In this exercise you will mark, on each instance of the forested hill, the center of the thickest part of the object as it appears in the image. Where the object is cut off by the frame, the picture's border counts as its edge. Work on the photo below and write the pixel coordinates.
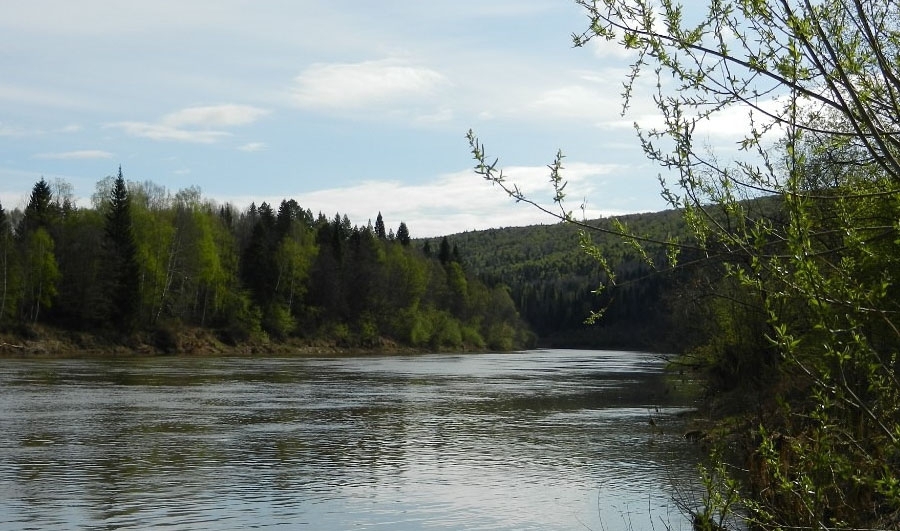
(552, 280)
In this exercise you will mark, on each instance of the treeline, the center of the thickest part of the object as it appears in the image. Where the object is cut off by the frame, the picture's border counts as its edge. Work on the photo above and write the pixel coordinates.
(554, 282)
(144, 260)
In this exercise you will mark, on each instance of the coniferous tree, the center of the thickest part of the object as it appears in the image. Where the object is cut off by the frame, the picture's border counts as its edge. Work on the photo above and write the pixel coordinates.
(379, 227)
(39, 211)
(124, 273)
(403, 234)
(444, 252)
(258, 269)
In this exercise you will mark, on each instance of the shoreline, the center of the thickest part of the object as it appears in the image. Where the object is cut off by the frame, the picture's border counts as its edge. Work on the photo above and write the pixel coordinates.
(47, 343)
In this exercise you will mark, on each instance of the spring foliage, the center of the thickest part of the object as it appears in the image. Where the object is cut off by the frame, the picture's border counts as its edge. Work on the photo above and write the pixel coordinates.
(145, 260)
(804, 283)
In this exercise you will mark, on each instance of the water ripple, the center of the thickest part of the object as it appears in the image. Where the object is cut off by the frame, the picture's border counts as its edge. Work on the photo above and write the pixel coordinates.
(536, 440)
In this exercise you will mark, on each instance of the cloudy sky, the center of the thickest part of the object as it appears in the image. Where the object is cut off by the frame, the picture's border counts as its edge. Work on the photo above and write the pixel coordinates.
(350, 107)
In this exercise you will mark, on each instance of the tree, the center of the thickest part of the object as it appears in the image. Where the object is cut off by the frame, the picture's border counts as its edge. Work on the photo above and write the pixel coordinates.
(82, 254)
(8, 270)
(258, 270)
(40, 211)
(41, 273)
(403, 234)
(820, 87)
(123, 270)
(293, 259)
(444, 253)
(4, 263)
(379, 227)
(157, 246)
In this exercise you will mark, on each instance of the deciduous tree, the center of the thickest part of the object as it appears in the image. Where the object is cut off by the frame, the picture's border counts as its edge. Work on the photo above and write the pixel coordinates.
(818, 84)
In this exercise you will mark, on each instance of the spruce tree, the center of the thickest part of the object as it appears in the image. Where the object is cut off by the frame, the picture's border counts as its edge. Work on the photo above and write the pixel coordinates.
(124, 272)
(444, 252)
(403, 234)
(39, 211)
(379, 227)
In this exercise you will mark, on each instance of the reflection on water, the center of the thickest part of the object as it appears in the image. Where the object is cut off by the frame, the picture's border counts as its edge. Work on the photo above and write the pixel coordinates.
(551, 439)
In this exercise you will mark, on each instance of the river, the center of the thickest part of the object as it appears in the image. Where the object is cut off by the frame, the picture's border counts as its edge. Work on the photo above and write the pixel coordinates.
(543, 440)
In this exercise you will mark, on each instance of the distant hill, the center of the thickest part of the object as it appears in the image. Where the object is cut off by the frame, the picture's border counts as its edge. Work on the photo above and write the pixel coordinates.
(552, 280)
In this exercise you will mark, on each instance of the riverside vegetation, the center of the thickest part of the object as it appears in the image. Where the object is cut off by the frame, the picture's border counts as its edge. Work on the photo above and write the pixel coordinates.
(168, 273)
(178, 273)
(794, 240)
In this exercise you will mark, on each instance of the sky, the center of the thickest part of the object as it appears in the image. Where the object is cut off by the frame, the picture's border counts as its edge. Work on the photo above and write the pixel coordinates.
(347, 107)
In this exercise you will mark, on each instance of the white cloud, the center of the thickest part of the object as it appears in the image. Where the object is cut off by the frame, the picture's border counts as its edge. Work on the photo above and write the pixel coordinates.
(614, 49)
(252, 147)
(83, 154)
(587, 97)
(199, 125)
(725, 128)
(574, 101)
(165, 132)
(214, 116)
(360, 85)
(453, 202)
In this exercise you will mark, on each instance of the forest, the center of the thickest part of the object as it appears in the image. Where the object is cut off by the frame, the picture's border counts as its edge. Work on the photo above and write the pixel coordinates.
(143, 264)
(554, 282)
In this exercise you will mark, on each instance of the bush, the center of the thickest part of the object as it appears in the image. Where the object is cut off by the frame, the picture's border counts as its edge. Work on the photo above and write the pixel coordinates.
(241, 319)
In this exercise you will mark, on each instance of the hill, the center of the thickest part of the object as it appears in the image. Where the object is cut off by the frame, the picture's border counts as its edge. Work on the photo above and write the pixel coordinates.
(553, 280)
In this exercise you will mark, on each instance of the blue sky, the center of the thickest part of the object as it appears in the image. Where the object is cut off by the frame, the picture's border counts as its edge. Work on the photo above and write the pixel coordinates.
(350, 107)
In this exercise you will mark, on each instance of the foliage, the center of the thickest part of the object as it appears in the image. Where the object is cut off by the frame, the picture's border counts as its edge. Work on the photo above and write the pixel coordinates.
(168, 262)
(815, 276)
(40, 273)
(9, 272)
(553, 282)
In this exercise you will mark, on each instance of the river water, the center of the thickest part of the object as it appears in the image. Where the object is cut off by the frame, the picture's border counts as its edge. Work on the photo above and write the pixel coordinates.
(547, 439)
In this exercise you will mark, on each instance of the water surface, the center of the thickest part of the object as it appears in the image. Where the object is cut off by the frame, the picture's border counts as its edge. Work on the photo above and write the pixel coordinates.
(550, 439)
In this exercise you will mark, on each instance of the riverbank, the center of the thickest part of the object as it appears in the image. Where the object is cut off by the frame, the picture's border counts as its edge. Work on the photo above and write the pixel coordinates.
(45, 342)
